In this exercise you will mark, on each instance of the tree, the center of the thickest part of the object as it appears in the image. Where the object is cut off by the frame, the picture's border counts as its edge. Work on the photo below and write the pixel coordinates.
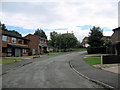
(3, 27)
(107, 43)
(95, 36)
(53, 38)
(40, 33)
(78, 44)
(63, 41)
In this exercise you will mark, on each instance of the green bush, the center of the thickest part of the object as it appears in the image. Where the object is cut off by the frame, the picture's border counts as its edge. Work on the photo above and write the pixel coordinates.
(96, 50)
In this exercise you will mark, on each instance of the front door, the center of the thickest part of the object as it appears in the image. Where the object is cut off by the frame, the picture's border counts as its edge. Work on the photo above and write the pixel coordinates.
(18, 52)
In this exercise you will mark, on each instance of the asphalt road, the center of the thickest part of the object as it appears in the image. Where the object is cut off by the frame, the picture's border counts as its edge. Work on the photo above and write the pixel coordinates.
(53, 72)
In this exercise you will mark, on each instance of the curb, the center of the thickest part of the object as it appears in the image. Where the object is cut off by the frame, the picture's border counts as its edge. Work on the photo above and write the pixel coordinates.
(93, 80)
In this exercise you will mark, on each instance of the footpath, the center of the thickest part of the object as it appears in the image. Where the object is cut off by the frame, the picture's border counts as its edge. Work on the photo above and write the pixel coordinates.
(103, 77)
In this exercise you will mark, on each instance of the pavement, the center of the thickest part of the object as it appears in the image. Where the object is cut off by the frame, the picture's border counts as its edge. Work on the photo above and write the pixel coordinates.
(108, 79)
(109, 67)
(46, 72)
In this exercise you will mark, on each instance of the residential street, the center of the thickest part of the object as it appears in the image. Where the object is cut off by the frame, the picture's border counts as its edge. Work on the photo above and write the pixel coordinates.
(52, 72)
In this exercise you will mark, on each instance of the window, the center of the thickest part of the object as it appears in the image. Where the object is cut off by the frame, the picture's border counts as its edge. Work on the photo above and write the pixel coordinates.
(4, 49)
(33, 51)
(9, 52)
(13, 40)
(20, 41)
(45, 41)
(42, 41)
(24, 51)
(6, 38)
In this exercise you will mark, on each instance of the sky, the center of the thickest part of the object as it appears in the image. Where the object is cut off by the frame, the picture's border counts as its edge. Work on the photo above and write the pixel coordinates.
(77, 16)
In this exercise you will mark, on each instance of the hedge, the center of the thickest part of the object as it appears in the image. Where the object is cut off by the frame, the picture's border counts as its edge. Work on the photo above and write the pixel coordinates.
(96, 50)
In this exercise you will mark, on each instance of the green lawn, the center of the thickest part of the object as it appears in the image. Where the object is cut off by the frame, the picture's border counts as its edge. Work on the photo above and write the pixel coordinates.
(78, 49)
(93, 60)
(7, 60)
(51, 53)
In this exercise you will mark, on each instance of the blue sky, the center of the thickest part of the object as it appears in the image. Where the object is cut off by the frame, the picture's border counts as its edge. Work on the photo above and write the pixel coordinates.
(76, 16)
(24, 31)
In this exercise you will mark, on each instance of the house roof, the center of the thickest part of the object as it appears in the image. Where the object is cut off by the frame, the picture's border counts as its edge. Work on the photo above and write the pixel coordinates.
(116, 29)
(40, 37)
(12, 34)
(36, 36)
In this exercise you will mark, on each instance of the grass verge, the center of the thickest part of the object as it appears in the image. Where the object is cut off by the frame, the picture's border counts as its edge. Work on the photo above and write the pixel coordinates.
(93, 60)
(78, 49)
(7, 60)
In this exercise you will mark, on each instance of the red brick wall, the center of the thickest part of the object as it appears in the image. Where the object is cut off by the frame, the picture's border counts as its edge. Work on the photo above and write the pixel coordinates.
(115, 36)
(85, 40)
(4, 44)
(34, 42)
(105, 38)
(4, 54)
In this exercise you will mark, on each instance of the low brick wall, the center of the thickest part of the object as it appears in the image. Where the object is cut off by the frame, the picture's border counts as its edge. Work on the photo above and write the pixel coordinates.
(110, 59)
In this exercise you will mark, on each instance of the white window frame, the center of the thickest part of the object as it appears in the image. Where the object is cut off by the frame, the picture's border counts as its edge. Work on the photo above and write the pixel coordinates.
(14, 40)
(18, 41)
(24, 51)
(5, 38)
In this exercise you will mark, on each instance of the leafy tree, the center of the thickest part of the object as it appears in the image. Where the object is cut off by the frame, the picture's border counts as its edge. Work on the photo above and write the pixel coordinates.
(107, 43)
(3, 27)
(95, 36)
(78, 44)
(53, 38)
(41, 33)
(63, 41)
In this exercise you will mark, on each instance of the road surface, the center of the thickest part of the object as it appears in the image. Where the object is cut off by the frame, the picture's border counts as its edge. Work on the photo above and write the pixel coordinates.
(53, 72)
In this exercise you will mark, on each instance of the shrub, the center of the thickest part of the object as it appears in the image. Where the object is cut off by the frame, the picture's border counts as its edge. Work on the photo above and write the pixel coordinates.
(96, 50)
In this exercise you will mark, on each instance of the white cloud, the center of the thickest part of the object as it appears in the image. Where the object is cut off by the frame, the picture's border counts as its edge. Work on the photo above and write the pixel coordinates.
(53, 14)
(78, 32)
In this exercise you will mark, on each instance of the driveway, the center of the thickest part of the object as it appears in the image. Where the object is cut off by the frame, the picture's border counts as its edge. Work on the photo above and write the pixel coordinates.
(50, 72)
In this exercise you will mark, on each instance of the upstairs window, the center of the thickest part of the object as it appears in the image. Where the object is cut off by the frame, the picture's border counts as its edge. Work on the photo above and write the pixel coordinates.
(20, 41)
(5, 38)
(13, 40)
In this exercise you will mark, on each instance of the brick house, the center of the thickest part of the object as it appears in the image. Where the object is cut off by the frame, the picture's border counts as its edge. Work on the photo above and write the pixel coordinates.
(116, 41)
(85, 40)
(14, 44)
(37, 44)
